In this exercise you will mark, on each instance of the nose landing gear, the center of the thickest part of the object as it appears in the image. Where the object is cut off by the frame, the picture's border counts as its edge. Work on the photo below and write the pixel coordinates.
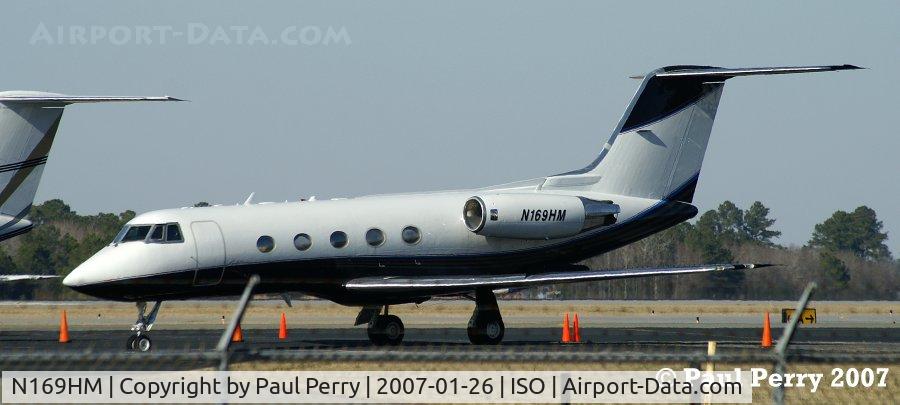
(140, 340)
(486, 325)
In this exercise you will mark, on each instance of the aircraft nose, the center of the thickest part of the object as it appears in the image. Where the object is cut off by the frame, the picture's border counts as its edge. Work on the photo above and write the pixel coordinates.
(75, 277)
(93, 276)
(87, 273)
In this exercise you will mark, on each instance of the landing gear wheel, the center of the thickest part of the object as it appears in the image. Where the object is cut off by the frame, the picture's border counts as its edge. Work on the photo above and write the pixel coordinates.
(386, 330)
(140, 341)
(143, 343)
(486, 328)
(486, 325)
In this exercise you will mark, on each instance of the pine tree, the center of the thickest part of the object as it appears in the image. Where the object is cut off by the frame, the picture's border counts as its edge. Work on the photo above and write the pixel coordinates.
(837, 276)
(708, 238)
(757, 224)
(858, 232)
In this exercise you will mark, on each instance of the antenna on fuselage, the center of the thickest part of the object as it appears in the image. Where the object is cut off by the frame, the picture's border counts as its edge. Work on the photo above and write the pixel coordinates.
(249, 199)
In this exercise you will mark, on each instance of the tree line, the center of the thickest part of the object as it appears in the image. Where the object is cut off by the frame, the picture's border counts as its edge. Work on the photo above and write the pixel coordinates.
(60, 240)
(846, 255)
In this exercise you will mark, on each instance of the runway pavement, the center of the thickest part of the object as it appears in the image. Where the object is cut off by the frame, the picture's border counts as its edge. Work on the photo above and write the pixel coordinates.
(664, 338)
(532, 327)
(193, 315)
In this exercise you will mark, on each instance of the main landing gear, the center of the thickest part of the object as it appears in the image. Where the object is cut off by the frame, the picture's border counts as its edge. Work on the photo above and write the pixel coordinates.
(140, 340)
(486, 325)
(385, 329)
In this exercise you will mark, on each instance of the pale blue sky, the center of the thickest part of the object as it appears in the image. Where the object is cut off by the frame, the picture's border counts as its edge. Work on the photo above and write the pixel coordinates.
(429, 95)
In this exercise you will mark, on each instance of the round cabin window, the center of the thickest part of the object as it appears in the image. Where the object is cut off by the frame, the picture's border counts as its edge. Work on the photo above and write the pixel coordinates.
(302, 241)
(265, 244)
(374, 237)
(338, 239)
(411, 235)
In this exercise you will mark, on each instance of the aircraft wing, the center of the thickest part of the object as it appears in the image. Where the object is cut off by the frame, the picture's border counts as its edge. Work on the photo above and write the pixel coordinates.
(17, 277)
(568, 274)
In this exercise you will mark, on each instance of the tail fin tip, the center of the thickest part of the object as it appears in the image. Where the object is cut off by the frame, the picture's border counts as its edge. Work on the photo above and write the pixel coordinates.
(40, 97)
(727, 73)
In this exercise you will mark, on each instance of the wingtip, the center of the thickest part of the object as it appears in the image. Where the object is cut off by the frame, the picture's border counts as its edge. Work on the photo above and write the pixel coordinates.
(757, 265)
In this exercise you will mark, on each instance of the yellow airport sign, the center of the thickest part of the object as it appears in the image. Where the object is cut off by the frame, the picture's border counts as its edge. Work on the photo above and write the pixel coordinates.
(808, 316)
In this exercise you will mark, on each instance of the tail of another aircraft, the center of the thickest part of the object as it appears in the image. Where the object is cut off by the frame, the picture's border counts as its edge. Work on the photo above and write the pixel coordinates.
(657, 148)
(28, 125)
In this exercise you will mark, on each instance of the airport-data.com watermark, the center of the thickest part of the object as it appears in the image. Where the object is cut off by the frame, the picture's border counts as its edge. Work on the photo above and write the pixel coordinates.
(193, 34)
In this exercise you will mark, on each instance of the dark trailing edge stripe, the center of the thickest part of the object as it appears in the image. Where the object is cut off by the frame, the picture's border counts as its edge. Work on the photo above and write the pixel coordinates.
(42, 149)
(5, 236)
(663, 97)
(16, 218)
(23, 164)
(685, 193)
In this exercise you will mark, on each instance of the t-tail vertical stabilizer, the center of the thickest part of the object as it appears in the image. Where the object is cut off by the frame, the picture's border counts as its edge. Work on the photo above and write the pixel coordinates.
(658, 146)
(28, 124)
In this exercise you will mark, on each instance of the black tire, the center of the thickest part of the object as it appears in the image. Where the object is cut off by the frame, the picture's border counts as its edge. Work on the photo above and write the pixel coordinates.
(393, 330)
(130, 345)
(474, 336)
(486, 328)
(143, 343)
(374, 334)
(386, 330)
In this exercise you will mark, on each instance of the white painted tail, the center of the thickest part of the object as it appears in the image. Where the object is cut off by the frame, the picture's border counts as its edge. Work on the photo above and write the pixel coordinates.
(657, 148)
(28, 125)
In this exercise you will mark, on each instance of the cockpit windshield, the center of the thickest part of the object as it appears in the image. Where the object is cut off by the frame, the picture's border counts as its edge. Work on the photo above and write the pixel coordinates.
(133, 233)
(157, 234)
(161, 233)
(173, 233)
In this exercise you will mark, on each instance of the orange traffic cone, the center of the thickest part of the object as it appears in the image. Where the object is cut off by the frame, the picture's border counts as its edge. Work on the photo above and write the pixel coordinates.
(238, 335)
(565, 330)
(767, 333)
(576, 329)
(282, 329)
(63, 328)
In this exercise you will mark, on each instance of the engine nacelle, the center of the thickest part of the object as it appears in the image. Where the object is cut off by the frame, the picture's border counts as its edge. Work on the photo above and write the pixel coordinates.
(535, 216)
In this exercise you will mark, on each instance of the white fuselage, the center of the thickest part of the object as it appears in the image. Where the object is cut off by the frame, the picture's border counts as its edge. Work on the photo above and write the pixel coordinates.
(438, 216)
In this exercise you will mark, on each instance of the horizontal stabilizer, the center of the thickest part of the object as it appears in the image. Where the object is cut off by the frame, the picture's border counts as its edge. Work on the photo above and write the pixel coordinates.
(573, 274)
(724, 73)
(34, 97)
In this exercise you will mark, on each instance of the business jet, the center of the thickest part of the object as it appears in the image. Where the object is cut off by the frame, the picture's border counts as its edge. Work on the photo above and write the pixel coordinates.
(382, 250)
(28, 124)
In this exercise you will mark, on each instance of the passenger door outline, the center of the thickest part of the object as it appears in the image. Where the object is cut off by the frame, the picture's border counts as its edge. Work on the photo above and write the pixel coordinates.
(209, 253)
